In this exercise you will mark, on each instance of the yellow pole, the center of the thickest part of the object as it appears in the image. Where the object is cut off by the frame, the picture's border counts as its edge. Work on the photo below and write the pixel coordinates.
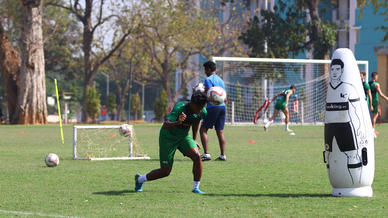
(59, 110)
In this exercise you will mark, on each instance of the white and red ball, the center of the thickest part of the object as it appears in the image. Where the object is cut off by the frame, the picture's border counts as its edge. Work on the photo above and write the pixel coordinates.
(200, 87)
(124, 130)
(216, 95)
(52, 160)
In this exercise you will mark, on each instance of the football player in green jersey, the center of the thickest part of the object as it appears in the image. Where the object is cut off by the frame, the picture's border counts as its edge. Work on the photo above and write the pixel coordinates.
(367, 91)
(281, 103)
(174, 135)
(376, 91)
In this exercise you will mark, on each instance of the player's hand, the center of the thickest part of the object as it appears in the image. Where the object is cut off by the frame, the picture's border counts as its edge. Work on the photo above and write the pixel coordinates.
(199, 146)
(371, 108)
(181, 117)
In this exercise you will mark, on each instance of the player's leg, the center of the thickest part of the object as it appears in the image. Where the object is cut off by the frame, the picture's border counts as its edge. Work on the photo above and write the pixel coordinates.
(374, 120)
(189, 148)
(207, 123)
(287, 119)
(270, 120)
(204, 140)
(163, 171)
(195, 156)
(222, 142)
(375, 115)
(166, 156)
(219, 127)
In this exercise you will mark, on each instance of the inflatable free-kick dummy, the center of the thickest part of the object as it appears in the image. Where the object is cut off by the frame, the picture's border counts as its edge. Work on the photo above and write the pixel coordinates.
(349, 146)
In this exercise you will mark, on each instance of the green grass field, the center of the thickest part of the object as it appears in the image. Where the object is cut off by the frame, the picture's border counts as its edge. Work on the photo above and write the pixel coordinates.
(277, 176)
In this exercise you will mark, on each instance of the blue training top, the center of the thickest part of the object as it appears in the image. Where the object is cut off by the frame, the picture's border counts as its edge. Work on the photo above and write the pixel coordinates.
(211, 81)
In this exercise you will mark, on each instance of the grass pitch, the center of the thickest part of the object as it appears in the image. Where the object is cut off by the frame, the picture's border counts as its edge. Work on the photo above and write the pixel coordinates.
(277, 175)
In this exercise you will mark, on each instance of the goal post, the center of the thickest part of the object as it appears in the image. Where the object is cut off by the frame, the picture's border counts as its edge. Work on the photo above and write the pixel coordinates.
(251, 81)
(104, 142)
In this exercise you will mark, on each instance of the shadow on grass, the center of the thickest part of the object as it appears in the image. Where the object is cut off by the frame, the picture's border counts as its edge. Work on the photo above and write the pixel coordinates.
(122, 192)
(277, 195)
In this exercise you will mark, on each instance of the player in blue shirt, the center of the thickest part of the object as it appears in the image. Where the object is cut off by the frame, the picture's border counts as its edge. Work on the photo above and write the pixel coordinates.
(215, 114)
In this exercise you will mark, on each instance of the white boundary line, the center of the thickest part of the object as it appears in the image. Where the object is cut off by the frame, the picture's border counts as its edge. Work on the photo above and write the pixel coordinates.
(32, 213)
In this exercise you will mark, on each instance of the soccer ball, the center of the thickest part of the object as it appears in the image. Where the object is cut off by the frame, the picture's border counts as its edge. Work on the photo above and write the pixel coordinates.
(199, 88)
(124, 130)
(216, 95)
(52, 160)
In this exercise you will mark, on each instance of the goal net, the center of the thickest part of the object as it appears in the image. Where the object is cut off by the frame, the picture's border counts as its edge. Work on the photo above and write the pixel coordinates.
(105, 143)
(250, 81)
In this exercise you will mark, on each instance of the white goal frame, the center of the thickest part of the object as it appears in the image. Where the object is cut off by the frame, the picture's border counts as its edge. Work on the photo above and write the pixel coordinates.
(217, 59)
(130, 144)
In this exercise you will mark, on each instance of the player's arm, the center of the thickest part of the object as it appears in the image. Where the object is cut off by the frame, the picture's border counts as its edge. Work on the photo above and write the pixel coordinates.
(171, 124)
(207, 85)
(370, 100)
(380, 92)
(274, 97)
(195, 128)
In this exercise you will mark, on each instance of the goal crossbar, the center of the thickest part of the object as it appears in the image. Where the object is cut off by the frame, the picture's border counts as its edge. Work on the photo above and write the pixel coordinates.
(283, 60)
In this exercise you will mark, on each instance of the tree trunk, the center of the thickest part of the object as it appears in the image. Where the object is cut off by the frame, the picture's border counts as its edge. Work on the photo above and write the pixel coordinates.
(87, 49)
(122, 98)
(166, 82)
(32, 108)
(10, 66)
(316, 29)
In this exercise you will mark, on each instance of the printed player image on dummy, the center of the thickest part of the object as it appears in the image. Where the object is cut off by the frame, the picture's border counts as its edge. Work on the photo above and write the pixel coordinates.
(349, 146)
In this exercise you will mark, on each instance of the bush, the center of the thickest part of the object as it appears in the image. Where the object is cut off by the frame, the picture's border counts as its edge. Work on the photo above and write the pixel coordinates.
(161, 106)
(92, 103)
(136, 109)
(111, 104)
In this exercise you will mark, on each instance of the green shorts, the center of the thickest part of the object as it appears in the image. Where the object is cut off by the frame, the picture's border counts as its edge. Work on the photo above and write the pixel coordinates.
(167, 148)
(280, 105)
(375, 107)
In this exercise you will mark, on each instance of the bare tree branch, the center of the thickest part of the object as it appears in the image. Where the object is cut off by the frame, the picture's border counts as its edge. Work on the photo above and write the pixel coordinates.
(71, 9)
(110, 53)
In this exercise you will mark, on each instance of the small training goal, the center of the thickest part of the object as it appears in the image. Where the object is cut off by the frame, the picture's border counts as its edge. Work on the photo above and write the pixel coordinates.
(102, 142)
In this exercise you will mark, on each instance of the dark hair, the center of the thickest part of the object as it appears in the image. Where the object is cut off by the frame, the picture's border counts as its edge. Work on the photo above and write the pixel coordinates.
(210, 65)
(363, 73)
(374, 74)
(292, 86)
(199, 98)
(337, 62)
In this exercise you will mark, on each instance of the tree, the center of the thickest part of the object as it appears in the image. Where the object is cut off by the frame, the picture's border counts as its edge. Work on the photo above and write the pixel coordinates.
(288, 31)
(377, 5)
(10, 66)
(136, 106)
(84, 13)
(226, 28)
(172, 33)
(31, 100)
(130, 57)
(111, 104)
(161, 106)
(93, 103)
(61, 39)
(322, 35)
(58, 31)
